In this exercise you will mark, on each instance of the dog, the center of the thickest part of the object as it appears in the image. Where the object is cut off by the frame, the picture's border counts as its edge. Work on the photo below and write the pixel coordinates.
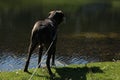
(43, 33)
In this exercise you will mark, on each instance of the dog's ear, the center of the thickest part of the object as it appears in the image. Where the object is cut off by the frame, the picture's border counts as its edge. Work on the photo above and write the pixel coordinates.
(51, 12)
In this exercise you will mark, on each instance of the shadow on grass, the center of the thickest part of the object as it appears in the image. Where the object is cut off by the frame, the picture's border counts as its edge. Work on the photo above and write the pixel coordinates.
(77, 73)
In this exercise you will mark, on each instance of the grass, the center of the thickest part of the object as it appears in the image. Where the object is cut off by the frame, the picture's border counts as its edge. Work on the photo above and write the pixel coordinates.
(91, 71)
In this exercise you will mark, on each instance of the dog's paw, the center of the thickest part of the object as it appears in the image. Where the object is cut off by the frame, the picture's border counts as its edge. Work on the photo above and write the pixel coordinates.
(52, 76)
(53, 65)
(25, 70)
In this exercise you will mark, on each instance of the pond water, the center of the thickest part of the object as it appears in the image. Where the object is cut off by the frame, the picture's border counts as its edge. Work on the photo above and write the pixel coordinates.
(90, 35)
(10, 61)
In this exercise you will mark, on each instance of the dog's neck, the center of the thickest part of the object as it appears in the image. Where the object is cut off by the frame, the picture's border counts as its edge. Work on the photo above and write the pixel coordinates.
(54, 23)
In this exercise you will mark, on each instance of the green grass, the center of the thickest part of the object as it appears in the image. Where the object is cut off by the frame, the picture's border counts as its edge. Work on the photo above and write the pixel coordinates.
(91, 71)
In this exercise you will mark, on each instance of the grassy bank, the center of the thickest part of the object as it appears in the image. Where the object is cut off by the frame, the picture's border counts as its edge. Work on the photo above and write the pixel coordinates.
(91, 71)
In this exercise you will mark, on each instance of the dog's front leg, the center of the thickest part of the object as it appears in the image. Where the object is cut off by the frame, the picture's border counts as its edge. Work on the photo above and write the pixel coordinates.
(53, 55)
(53, 51)
(48, 64)
(48, 61)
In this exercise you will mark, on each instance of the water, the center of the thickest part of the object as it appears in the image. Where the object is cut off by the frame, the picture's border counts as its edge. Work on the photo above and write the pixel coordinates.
(11, 62)
(91, 33)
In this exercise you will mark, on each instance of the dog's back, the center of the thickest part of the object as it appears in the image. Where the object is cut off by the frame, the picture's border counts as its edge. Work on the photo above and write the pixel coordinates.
(43, 31)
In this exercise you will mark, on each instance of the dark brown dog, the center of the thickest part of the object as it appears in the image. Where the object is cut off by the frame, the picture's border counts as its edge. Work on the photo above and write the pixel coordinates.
(42, 35)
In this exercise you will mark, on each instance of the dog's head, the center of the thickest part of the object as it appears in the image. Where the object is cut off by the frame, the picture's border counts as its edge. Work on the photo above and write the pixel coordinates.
(57, 16)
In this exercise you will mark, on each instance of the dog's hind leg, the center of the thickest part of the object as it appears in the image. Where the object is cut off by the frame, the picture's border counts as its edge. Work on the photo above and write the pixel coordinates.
(30, 50)
(40, 55)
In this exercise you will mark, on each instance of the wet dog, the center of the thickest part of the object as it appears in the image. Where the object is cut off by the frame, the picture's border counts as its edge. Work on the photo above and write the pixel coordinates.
(43, 33)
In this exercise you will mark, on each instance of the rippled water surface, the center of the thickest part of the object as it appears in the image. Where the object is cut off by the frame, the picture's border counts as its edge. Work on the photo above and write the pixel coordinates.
(10, 61)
